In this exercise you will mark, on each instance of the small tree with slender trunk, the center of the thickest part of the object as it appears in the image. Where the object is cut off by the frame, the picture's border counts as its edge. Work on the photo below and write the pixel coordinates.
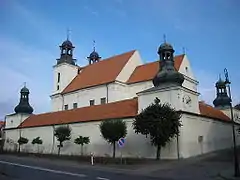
(82, 141)
(112, 131)
(62, 133)
(37, 141)
(21, 141)
(160, 121)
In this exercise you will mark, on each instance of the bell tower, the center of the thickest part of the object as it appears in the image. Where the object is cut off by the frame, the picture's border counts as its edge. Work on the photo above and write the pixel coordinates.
(65, 69)
(168, 85)
(222, 101)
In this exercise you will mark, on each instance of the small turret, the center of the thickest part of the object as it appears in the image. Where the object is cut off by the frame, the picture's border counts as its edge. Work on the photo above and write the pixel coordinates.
(94, 56)
(222, 100)
(24, 106)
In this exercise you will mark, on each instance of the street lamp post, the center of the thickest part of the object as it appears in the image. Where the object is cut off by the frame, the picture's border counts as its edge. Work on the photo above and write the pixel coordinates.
(236, 164)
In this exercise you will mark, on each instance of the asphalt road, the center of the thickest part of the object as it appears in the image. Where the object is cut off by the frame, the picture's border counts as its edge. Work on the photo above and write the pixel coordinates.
(13, 168)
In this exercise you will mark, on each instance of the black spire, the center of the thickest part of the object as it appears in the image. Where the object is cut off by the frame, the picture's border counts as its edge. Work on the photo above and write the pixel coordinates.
(167, 72)
(222, 100)
(66, 52)
(24, 106)
(94, 56)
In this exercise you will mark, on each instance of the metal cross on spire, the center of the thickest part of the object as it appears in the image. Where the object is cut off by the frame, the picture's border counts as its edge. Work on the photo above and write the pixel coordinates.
(184, 50)
(164, 38)
(68, 33)
(94, 43)
(219, 76)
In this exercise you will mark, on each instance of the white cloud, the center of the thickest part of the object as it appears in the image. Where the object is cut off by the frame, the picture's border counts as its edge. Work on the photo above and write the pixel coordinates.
(87, 8)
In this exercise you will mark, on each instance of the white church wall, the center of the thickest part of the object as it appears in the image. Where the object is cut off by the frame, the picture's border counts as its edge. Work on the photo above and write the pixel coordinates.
(190, 84)
(83, 97)
(176, 96)
(236, 114)
(14, 120)
(138, 87)
(133, 62)
(112, 92)
(67, 73)
(136, 146)
(200, 135)
(57, 102)
(11, 138)
(215, 136)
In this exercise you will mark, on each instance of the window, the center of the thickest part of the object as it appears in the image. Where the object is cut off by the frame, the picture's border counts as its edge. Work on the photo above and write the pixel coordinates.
(103, 100)
(57, 87)
(200, 139)
(66, 107)
(58, 80)
(186, 68)
(74, 105)
(91, 102)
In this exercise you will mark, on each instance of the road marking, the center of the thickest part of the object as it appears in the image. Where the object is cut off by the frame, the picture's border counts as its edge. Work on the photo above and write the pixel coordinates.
(100, 178)
(44, 169)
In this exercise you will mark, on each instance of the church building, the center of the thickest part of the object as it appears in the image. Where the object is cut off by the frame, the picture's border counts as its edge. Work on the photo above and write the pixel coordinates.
(120, 87)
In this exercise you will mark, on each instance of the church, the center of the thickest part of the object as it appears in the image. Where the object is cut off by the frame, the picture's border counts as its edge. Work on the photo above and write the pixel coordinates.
(120, 87)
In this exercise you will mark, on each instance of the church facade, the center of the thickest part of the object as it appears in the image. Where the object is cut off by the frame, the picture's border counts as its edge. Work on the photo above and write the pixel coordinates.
(119, 87)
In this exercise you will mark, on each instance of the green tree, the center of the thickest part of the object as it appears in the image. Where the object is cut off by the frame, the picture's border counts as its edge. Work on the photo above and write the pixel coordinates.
(112, 131)
(62, 133)
(37, 141)
(160, 121)
(21, 141)
(81, 141)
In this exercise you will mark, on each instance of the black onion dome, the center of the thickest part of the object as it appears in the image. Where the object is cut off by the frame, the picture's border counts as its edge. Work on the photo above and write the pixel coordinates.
(23, 108)
(168, 77)
(67, 43)
(220, 83)
(94, 55)
(24, 90)
(165, 46)
(222, 101)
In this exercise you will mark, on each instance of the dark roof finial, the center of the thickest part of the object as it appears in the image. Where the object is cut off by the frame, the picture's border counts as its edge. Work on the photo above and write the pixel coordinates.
(184, 50)
(68, 33)
(94, 43)
(24, 84)
(220, 77)
(164, 38)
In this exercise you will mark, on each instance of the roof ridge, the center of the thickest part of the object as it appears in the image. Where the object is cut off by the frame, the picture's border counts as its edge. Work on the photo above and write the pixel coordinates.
(132, 51)
(157, 61)
(119, 109)
(69, 110)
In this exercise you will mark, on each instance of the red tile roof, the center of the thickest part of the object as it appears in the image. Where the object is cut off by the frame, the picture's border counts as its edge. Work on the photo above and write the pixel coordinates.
(120, 109)
(102, 72)
(2, 124)
(147, 71)
(212, 112)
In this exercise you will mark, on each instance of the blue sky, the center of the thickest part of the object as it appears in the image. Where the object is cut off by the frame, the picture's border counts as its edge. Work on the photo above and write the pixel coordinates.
(31, 32)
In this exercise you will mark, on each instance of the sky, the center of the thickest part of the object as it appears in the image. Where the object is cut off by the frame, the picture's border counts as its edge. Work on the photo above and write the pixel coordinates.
(31, 32)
